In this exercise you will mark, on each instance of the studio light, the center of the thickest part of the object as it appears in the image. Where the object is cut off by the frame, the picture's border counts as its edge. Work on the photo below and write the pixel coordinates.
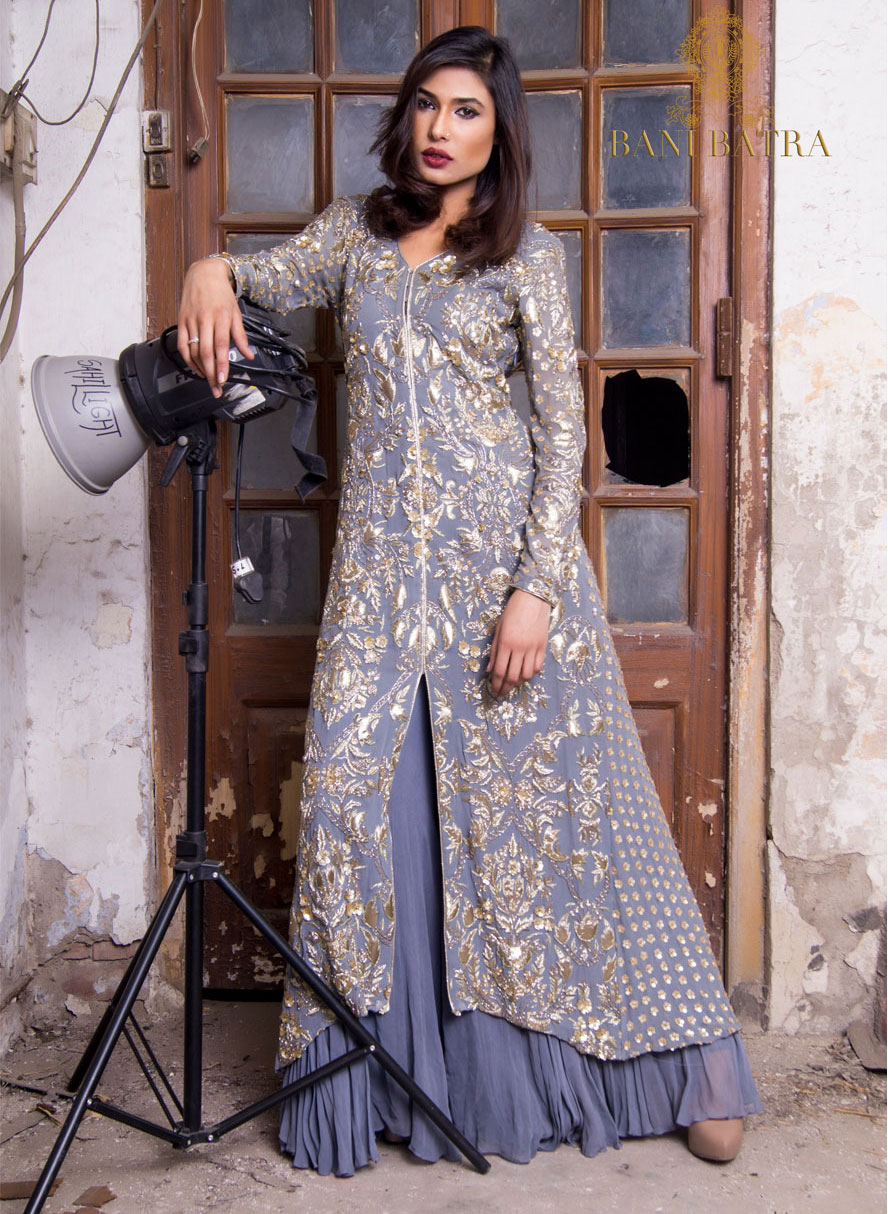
(100, 415)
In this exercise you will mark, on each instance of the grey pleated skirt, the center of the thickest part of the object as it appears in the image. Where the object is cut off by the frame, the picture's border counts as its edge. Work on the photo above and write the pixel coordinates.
(510, 1090)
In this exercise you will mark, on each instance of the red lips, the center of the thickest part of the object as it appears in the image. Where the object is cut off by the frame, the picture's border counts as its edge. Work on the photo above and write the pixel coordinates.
(435, 157)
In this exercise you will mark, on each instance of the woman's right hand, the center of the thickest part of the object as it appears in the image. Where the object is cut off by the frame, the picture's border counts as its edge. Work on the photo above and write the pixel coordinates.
(208, 312)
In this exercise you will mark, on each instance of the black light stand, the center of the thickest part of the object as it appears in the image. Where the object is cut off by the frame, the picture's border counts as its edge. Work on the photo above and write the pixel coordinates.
(191, 870)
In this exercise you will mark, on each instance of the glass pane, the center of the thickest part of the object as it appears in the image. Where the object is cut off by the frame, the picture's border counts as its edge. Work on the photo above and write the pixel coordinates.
(639, 174)
(269, 36)
(270, 153)
(646, 559)
(542, 35)
(376, 35)
(284, 546)
(646, 287)
(299, 325)
(573, 256)
(645, 31)
(355, 119)
(645, 422)
(556, 125)
(269, 460)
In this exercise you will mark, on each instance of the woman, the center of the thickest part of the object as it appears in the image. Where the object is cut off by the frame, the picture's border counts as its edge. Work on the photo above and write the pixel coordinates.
(486, 875)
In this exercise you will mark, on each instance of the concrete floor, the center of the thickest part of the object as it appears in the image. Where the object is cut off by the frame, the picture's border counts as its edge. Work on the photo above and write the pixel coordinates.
(820, 1146)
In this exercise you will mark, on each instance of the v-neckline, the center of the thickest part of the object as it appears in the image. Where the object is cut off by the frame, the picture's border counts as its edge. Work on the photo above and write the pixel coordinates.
(419, 264)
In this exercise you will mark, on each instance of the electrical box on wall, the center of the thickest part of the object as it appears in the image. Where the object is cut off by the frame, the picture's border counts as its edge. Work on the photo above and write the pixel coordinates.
(28, 128)
(156, 131)
(157, 145)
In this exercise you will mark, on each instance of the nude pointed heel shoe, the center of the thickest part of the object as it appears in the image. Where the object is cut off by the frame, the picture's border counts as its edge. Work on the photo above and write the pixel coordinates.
(718, 1140)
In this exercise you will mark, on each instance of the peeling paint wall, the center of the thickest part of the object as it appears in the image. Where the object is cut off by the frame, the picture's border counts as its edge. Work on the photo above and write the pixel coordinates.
(15, 953)
(76, 777)
(827, 846)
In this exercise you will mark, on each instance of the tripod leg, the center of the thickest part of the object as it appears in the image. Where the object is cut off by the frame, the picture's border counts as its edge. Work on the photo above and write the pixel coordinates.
(192, 1086)
(89, 1053)
(102, 1050)
(353, 1024)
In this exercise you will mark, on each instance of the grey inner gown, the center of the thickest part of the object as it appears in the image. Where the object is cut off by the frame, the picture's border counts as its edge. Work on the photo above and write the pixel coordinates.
(590, 1004)
(511, 1091)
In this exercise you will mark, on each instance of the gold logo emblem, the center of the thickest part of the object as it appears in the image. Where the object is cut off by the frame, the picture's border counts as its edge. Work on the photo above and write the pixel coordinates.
(724, 53)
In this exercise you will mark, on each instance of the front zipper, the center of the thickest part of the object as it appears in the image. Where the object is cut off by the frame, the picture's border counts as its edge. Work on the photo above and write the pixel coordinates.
(411, 385)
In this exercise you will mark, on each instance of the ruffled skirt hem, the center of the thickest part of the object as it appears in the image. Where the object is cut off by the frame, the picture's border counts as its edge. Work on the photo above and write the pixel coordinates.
(510, 1090)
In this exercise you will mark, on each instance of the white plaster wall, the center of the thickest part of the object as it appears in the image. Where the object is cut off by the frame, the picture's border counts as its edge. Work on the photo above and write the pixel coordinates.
(77, 610)
(14, 951)
(827, 854)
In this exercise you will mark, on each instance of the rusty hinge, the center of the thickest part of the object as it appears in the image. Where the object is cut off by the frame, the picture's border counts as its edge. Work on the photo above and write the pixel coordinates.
(724, 338)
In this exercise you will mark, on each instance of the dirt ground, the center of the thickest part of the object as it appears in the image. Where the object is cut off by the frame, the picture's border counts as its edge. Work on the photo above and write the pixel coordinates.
(820, 1145)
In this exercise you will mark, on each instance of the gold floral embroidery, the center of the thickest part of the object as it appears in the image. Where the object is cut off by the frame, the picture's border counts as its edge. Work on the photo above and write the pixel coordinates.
(566, 908)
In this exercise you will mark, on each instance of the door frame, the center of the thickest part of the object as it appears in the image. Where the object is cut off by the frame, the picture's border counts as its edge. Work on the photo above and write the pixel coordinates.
(165, 62)
(746, 974)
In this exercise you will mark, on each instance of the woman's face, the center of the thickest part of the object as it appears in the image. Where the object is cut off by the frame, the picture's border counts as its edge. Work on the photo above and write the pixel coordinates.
(453, 128)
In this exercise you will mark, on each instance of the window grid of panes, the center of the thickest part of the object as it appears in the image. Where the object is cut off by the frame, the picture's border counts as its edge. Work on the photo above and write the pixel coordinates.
(299, 102)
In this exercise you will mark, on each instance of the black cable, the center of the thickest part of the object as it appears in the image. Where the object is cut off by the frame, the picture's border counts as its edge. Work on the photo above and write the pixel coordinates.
(92, 78)
(237, 490)
(270, 338)
(247, 580)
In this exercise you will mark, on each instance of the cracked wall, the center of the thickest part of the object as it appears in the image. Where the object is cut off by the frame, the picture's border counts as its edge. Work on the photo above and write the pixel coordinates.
(827, 845)
(76, 778)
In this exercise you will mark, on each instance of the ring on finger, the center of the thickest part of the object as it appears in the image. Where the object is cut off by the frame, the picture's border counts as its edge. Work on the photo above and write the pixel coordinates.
(194, 341)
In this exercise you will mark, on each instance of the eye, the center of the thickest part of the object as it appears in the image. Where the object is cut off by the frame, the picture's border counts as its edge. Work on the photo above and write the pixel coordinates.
(466, 111)
(424, 103)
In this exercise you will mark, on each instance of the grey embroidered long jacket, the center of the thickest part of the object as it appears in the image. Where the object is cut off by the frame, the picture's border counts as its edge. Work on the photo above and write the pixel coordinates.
(566, 907)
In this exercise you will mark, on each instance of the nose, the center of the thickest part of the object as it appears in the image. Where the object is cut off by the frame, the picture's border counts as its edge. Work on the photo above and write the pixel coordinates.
(438, 127)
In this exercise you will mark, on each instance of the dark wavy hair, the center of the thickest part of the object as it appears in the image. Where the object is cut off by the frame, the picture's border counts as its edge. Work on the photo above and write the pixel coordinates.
(489, 232)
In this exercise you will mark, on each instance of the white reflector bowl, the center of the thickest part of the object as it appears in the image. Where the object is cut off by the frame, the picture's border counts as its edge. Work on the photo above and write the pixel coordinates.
(86, 419)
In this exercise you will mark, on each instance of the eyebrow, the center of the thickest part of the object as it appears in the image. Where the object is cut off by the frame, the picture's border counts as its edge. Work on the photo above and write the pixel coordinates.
(459, 100)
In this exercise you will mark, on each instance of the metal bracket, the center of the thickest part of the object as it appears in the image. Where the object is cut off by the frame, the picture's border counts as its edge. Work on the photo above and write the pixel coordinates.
(724, 338)
(194, 646)
(10, 108)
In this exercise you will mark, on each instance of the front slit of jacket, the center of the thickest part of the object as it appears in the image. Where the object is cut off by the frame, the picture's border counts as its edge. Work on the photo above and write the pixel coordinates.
(417, 452)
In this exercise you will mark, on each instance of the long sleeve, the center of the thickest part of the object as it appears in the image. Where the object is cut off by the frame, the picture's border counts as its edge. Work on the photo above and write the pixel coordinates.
(304, 272)
(557, 427)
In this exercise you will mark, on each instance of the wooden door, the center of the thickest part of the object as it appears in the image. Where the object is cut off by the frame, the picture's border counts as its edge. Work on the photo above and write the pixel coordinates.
(293, 91)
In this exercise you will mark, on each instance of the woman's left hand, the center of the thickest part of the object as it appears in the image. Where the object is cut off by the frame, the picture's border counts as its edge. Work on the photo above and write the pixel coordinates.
(519, 642)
